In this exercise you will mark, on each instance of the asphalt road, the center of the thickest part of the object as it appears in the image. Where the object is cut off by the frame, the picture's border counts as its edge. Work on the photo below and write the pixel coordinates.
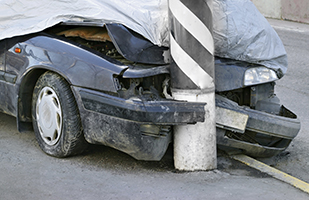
(293, 91)
(103, 173)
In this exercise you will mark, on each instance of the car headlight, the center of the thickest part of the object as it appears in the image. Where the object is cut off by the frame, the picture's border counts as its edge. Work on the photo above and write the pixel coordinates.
(258, 75)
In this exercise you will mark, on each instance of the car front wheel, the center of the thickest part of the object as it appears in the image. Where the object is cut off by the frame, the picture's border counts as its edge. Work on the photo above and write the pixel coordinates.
(56, 120)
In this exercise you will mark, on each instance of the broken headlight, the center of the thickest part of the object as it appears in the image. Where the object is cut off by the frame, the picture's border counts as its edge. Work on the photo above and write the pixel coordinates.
(258, 75)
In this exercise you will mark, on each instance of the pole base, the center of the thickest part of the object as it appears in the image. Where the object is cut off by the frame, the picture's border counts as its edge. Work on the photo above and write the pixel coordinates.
(195, 145)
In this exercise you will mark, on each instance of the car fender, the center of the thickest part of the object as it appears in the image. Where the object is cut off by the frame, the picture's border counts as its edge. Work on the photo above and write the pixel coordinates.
(42, 53)
(78, 66)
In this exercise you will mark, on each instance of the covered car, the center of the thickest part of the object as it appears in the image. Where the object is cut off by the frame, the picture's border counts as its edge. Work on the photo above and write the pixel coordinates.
(109, 62)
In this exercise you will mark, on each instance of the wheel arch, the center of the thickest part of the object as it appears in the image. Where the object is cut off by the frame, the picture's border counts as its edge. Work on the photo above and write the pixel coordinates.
(24, 99)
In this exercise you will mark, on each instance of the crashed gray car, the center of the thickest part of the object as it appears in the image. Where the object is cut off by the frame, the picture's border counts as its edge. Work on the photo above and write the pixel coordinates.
(75, 84)
(79, 83)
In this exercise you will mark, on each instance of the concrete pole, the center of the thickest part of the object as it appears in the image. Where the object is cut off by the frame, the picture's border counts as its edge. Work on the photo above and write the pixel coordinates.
(192, 77)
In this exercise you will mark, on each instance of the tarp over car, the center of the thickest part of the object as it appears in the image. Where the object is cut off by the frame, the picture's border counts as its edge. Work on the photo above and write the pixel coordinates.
(147, 17)
(240, 31)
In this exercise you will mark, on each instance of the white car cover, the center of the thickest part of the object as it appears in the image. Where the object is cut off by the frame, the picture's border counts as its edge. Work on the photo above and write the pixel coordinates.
(240, 31)
(147, 17)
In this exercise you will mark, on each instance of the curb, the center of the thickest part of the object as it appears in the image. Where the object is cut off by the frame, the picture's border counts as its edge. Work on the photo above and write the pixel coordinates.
(288, 25)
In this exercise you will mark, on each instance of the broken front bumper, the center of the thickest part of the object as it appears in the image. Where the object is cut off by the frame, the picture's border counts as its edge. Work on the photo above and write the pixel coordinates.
(256, 133)
(139, 128)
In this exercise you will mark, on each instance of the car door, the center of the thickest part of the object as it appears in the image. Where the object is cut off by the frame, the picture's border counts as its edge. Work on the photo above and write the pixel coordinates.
(7, 81)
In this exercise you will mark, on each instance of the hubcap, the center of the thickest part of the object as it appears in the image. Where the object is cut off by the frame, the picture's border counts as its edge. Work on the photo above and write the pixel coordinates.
(49, 116)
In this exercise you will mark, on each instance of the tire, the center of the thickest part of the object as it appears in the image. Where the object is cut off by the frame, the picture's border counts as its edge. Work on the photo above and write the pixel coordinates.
(55, 116)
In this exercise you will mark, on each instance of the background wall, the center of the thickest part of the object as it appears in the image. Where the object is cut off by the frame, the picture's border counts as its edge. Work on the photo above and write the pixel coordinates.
(294, 10)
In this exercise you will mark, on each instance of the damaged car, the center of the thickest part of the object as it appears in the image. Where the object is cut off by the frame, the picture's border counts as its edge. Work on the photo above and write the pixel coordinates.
(92, 73)
(86, 83)
(80, 83)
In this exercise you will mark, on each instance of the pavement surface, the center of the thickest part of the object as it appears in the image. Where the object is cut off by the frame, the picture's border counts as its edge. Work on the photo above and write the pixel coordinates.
(293, 91)
(103, 173)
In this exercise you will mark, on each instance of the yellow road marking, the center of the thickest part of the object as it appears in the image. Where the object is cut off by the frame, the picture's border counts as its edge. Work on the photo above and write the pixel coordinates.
(272, 172)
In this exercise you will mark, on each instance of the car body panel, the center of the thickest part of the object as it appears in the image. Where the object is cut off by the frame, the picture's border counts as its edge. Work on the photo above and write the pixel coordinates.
(229, 73)
(66, 59)
(143, 51)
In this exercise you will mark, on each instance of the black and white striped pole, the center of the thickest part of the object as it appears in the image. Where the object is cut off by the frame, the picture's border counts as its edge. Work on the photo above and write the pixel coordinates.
(192, 77)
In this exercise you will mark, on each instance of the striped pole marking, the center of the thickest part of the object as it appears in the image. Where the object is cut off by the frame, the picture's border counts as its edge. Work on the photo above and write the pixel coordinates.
(192, 45)
(192, 69)
(192, 24)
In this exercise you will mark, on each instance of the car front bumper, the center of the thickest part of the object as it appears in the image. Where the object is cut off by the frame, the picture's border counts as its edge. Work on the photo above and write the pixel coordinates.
(263, 134)
(139, 128)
